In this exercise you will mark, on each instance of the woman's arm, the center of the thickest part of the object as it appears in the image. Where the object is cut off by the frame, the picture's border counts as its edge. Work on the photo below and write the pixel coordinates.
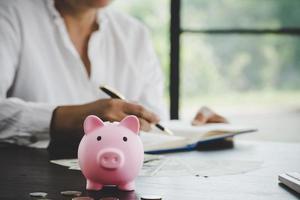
(17, 117)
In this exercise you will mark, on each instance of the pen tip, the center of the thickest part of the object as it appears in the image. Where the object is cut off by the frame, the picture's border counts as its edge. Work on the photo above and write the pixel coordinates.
(168, 131)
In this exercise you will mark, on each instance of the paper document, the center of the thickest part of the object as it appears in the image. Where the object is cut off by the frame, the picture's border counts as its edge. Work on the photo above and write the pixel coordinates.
(172, 166)
(73, 163)
(167, 167)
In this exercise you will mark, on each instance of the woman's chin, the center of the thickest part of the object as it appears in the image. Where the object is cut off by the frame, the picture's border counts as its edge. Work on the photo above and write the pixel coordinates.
(98, 3)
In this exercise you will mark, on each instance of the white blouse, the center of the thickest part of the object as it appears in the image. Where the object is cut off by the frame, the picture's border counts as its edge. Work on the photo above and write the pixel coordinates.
(40, 68)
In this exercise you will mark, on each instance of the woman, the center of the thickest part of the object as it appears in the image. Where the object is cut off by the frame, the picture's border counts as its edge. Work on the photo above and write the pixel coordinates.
(54, 54)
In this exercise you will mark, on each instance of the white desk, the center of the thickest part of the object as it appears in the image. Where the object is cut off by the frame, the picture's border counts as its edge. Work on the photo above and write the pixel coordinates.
(262, 183)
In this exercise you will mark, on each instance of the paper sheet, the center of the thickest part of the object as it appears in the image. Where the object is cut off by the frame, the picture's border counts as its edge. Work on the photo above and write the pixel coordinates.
(172, 166)
(184, 128)
(160, 141)
(73, 163)
(197, 167)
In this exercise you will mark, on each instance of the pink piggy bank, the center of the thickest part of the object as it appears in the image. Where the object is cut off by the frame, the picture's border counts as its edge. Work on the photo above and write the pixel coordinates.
(111, 153)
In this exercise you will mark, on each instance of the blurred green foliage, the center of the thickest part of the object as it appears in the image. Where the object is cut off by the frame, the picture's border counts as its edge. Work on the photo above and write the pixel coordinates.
(240, 63)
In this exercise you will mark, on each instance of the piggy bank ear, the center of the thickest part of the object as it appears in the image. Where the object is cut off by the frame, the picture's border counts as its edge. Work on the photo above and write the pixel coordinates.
(132, 123)
(91, 123)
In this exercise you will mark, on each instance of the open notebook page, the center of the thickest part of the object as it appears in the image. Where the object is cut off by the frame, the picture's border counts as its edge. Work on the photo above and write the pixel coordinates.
(186, 134)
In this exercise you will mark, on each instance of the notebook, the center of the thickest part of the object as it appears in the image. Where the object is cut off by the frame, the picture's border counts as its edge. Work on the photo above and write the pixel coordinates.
(188, 137)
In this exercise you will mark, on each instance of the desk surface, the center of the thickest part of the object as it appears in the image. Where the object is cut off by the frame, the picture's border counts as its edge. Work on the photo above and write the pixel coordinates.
(27, 170)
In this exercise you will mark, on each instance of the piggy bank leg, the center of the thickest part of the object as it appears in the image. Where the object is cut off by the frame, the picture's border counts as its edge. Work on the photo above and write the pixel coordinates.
(90, 185)
(127, 186)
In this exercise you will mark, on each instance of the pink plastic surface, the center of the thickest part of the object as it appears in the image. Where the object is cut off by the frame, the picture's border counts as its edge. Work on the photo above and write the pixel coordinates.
(111, 153)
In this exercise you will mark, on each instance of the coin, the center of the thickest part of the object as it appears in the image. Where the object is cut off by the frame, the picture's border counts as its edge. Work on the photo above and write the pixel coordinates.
(38, 194)
(82, 198)
(151, 197)
(71, 193)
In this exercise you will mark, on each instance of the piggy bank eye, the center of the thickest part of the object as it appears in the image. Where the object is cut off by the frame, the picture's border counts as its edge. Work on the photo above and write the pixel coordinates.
(124, 139)
(99, 138)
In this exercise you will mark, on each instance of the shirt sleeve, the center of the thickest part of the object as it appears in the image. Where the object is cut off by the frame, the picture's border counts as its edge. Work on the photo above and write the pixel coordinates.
(152, 96)
(19, 120)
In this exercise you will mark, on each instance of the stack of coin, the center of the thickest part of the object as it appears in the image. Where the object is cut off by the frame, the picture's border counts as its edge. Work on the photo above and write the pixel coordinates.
(151, 197)
(71, 193)
(38, 194)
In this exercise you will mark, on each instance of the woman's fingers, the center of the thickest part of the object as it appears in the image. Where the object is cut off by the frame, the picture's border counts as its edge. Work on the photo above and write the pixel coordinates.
(206, 115)
(199, 119)
(217, 119)
(145, 125)
(140, 112)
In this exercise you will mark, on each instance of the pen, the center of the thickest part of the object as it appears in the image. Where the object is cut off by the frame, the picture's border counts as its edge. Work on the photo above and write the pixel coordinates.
(115, 94)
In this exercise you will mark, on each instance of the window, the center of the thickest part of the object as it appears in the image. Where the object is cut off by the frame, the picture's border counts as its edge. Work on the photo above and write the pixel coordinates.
(239, 56)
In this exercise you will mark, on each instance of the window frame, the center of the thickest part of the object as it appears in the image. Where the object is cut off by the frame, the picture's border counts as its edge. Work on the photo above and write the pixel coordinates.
(175, 33)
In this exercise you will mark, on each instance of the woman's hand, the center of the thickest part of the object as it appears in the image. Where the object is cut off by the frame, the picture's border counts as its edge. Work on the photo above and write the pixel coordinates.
(67, 121)
(206, 115)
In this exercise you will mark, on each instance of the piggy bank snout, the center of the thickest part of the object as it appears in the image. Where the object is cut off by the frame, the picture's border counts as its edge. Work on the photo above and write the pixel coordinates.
(110, 159)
